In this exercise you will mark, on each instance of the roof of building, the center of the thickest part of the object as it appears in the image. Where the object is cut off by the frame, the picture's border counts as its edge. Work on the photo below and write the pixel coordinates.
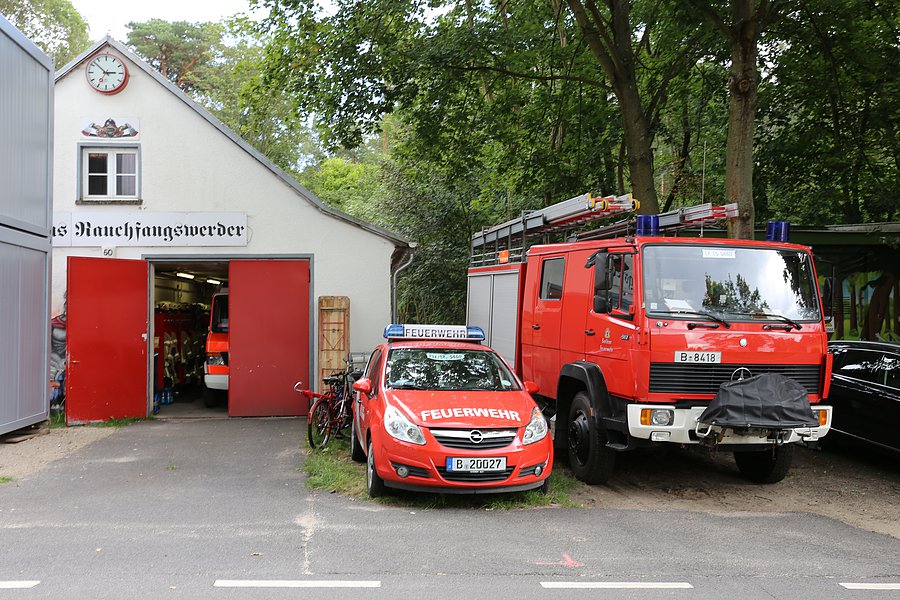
(395, 238)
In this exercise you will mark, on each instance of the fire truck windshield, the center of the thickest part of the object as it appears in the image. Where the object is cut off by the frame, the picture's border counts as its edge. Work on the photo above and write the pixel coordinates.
(736, 283)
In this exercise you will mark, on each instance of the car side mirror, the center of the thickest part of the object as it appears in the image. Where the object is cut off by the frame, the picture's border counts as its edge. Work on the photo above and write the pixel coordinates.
(531, 387)
(364, 386)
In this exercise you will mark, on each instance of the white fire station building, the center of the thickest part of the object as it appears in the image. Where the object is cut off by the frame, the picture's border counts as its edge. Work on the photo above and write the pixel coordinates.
(157, 206)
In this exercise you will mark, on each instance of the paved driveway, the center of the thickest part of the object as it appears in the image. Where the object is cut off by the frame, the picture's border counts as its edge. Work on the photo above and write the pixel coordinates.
(199, 509)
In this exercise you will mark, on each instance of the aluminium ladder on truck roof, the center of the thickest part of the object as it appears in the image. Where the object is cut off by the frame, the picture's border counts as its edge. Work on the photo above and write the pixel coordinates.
(511, 237)
(508, 242)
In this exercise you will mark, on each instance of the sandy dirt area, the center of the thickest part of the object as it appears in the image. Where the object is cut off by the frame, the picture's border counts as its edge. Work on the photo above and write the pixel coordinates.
(850, 484)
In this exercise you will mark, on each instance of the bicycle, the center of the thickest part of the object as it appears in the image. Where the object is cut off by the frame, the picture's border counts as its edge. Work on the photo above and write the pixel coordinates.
(329, 412)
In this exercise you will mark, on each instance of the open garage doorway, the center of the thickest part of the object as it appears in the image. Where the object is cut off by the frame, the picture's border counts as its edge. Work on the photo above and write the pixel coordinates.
(258, 339)
(137, 332)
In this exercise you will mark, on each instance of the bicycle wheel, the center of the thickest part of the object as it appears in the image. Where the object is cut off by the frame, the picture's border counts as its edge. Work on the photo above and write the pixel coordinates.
(318, 424)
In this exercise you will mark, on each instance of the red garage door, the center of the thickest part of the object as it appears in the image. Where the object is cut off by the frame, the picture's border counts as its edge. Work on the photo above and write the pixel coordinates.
(269, 337)
(106, 364)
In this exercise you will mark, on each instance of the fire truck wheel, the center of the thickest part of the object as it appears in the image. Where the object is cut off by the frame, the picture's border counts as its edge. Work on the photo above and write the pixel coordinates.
(211, 398)
(357, 454)
(589, 458)
(769, 466)
(374, 483)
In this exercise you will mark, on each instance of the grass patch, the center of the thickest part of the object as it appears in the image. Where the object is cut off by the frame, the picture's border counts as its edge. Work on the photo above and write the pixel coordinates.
(332, 469)
(57, 419)
(116, 423)
(5, 479)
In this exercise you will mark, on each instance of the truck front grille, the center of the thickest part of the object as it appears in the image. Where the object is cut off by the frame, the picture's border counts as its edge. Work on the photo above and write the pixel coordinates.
(688, 378)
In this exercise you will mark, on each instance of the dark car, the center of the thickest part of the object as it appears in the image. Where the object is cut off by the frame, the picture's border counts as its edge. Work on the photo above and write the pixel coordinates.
(865, 392)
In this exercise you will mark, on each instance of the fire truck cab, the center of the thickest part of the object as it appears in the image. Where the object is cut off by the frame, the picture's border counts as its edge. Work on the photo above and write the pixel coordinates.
(215, 369)
(635, 340)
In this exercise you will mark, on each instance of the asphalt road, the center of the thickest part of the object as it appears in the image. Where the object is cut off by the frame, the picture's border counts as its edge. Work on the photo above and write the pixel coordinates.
(219, 509)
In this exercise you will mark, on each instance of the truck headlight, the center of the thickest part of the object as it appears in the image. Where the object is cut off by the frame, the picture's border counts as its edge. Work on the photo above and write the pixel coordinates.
(536, 430)
(657, 417)
(401, 428)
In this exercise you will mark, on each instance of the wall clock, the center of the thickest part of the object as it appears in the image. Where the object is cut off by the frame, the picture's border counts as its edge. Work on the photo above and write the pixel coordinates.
(107, 74)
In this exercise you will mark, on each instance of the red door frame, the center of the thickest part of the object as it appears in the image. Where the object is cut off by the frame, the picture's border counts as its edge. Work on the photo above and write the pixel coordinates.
(106, 337)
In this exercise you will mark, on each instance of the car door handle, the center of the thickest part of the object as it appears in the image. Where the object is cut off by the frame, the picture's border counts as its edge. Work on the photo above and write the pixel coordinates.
(588, 332)
(535, 326)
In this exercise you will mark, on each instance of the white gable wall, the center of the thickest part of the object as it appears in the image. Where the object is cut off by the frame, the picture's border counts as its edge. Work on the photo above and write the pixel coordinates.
(188, 165)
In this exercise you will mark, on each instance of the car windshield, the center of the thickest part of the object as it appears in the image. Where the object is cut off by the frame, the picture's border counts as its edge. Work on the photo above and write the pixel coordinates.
(732, 283)
(447, 369)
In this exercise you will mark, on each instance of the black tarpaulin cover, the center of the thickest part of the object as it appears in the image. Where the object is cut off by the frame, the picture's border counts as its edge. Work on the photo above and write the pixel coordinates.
(767, 401)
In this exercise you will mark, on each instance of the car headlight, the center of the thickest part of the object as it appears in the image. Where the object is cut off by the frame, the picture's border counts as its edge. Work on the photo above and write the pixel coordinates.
(536, 430)
(401, 428)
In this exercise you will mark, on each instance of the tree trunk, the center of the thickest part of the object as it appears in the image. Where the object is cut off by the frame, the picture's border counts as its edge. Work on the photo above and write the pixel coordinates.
(743, 85)
(613, 51)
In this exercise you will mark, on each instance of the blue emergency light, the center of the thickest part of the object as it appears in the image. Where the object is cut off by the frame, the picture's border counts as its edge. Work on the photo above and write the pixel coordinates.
(409, 331)
(778, 231)
(647, 225)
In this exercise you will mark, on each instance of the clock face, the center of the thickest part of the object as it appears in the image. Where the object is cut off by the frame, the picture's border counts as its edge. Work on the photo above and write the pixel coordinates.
(107, 74)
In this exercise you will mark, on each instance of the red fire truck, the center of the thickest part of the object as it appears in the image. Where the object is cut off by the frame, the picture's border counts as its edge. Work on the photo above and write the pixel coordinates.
(215, 370)
(638, 339)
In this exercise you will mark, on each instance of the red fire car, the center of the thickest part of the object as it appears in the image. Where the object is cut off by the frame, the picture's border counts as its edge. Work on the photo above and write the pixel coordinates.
(437, 411)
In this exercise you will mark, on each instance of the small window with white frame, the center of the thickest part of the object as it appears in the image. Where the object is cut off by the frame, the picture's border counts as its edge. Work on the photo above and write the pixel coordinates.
(110, 173)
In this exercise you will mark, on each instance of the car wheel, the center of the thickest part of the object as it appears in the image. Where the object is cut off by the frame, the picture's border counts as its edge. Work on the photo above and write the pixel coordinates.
(768, 466)
(357, 454)
(589, 458)
(374, 483)
(545, 488)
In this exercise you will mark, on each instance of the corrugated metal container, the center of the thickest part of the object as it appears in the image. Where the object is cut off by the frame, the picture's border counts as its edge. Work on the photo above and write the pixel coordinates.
(26, 119)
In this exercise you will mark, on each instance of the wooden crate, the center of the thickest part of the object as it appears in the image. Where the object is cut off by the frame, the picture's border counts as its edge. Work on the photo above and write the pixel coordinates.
(334, 335)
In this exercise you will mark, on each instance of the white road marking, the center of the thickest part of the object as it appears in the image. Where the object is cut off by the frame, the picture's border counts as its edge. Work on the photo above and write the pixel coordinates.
(871, 586)
(616, 585)
(295, 583)
(17, 585)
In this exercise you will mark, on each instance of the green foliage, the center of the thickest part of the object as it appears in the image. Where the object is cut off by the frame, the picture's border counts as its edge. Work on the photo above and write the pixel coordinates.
(53, 25)
(829, 145)
(180, 50)
(5, 479)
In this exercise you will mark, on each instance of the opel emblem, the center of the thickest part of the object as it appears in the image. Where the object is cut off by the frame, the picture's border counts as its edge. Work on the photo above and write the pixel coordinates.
(476, 436)
(741, 374)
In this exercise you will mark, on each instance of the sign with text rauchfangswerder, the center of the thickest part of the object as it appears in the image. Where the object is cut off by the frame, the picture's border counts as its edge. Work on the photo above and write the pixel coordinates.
(150, 229)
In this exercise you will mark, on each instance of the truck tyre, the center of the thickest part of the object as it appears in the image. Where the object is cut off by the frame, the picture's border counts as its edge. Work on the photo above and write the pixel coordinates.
(211, 398)
(374, 483)
(589, 458)
(357, 454)
(769, 466)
